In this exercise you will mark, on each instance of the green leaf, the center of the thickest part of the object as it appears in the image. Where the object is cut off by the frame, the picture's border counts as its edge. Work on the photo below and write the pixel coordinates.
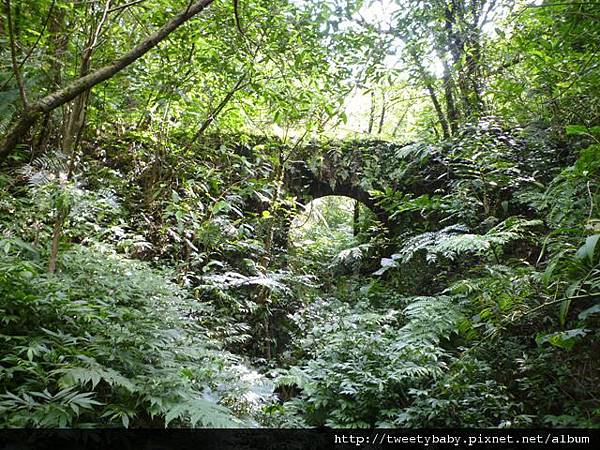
(574, 130)
(586, 251)
(563, 339)
(589, 311)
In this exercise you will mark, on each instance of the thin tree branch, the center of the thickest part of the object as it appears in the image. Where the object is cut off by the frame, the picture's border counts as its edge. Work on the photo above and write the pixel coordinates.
(13, 56)
(212, 116)
(236, 14)
(126, 5)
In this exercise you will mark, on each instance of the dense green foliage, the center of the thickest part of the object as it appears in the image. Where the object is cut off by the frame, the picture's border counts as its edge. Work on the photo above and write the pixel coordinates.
(291, 214)
(127, 347)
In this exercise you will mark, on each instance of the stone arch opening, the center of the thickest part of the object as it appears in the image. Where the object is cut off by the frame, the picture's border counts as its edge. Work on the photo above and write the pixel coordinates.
(307, 187)
(334, 231)
(333, 214)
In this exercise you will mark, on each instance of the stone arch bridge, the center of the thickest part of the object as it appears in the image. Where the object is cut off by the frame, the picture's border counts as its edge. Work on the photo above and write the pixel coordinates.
(357, 169)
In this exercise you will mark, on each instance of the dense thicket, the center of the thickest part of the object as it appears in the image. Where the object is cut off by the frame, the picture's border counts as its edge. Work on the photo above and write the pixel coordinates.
(160, 262)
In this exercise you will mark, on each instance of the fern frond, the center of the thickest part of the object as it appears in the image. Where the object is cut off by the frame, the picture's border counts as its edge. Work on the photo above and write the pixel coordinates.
(45, 169)
(109, 196)
(454, 240)
(417, 151)
(8, 112)
(93, 374)
(234, 279)
(57, 162)
(431, 318)
(350, 256)
(198, 411)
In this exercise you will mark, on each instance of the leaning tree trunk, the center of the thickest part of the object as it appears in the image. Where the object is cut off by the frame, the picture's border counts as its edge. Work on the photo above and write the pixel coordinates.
(52, 101)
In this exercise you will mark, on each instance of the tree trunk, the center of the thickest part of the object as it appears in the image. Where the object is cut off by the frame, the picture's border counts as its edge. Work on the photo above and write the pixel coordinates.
(382, 117)
(371, 113)
(13, 56)
(451, 111)
(438, 109)
(356, 219)
(473, 56)
(52, 101)
(426, 78)
(56, 233)
(74, 120)
(400, 120)
(457, 49)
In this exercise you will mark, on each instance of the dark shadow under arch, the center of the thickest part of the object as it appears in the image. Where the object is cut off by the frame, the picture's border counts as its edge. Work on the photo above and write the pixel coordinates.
(303, 184)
